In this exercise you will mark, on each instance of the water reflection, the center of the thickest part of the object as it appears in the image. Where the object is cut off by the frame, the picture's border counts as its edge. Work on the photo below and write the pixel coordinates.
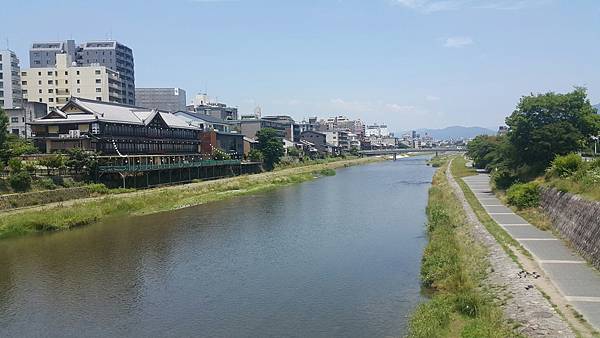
(338, 256)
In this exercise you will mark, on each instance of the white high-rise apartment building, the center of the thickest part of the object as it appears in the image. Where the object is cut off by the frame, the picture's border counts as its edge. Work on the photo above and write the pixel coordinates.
(55, 85)
(10, 80)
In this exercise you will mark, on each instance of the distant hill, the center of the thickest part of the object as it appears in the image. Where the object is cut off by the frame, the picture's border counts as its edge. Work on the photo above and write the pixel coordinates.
(456, 132)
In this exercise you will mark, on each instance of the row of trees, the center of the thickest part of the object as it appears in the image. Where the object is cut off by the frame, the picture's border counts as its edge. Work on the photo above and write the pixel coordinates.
(541, 127)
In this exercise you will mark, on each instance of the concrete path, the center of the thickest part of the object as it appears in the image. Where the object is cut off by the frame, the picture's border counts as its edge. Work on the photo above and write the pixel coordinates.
(576, 280)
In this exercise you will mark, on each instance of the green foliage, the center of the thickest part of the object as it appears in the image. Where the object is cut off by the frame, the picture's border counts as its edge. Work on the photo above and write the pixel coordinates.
(326, 172)
(546, 125)
(565, 166)
(270, 146)
(354, 151)
(524, 195)
(55, 161)
(483, 150)
(20, 181)
(256, 155)
(18, 146)
(3, 136)
(15, 165)
(46, 183)
(293, 152)
(453, 266)
(220, 155)
(431, 318)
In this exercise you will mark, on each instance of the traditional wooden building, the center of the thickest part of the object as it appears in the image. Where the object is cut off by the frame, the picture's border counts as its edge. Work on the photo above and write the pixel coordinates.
(112, 128)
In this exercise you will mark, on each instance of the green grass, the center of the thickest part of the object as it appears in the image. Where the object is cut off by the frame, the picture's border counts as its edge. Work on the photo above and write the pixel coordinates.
(453, 268)
(160, 199)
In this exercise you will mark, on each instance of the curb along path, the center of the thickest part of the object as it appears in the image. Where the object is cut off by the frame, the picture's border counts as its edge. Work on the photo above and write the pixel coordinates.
(523, 305)
(578, 282)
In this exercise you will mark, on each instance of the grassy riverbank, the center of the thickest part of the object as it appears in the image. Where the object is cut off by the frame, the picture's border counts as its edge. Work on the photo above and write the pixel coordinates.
(74, 214)
(453, 268)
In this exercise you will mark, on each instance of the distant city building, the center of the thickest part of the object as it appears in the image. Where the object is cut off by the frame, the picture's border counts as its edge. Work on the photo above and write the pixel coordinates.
(19, 117)
(10, 80)
(55, 85)
(377, 130)
(202, 104)
(204, 122)
(168, 99)
(108, 53)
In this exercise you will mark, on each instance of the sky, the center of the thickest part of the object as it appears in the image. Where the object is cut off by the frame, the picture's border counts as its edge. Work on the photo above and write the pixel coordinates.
(408, 63)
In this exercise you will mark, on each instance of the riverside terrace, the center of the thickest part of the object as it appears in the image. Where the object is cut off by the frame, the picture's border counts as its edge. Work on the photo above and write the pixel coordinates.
(111, 128)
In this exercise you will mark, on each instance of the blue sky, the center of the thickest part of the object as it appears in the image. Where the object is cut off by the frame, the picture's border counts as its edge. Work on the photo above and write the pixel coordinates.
(409, 63)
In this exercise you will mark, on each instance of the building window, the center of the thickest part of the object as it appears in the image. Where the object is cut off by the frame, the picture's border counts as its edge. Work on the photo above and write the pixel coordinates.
(49, 73)
(39, 73)
(98, 90)
(66, 81)
(98, 98)
(66, 73)
(14, 119)
(78, 81)
(78, 90)
(50, 91)
(50, 99)
(50, 82)
(40, 82)
(98, 72)
(24, 83)
(77, 72)
(98, 81)
(23, 73)
(39, 91)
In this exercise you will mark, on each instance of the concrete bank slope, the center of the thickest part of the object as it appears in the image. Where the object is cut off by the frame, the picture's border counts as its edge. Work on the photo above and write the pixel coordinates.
(522, 304)
(578, 282)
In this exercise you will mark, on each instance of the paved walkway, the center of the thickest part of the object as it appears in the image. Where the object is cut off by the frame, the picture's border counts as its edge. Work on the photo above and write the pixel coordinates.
(576, 280)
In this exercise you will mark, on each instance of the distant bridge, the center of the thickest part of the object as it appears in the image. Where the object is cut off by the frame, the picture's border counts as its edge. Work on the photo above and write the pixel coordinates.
(410, 150)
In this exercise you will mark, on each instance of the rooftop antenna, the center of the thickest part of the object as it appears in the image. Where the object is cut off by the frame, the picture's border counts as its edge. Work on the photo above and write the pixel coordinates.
(7, 44)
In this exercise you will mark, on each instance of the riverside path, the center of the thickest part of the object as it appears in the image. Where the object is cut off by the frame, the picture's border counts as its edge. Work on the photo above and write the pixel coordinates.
(578, 281)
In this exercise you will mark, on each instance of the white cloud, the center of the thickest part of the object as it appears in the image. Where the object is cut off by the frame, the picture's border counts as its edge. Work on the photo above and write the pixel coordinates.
(432, 98)
(458, 41)
(430, 6)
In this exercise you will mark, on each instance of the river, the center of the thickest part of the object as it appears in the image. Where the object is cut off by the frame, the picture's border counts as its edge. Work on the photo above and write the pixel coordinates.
(335, 257)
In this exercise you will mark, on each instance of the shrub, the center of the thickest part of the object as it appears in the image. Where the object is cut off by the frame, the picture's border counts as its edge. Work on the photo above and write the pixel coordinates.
(256, 155)
(524, 195)
(503, 178)
(46, 183)
(15, 165)
(565, 166)
(20, 181)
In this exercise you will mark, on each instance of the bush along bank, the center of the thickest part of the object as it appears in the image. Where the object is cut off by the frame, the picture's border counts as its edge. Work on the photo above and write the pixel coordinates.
(453, 269)
(159, 199)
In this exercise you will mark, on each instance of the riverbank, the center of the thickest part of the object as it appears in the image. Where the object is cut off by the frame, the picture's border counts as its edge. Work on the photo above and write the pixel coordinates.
(62, 216)
(454, 266)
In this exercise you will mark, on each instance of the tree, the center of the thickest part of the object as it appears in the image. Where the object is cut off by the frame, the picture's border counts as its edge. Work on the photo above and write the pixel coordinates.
(3, 136)
(55, 161)
(255, 155)
(546, 125)
(270, 146)
(293, 152)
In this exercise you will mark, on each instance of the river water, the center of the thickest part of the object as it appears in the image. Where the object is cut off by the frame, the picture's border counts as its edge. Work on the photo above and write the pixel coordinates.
(335, 257)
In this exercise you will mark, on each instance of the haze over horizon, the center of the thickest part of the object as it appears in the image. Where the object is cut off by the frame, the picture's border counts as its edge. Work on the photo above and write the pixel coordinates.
(408, 63)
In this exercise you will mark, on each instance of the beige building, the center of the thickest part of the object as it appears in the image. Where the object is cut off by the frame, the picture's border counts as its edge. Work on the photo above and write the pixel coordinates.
(55, 85)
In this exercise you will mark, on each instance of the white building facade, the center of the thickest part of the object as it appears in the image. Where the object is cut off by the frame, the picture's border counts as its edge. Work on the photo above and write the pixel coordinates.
(10, 80)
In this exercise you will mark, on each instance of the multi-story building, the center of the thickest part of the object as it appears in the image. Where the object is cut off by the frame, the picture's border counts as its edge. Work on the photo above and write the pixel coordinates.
(202, 104)
(43, 54)
(19, 117)
(112, 128)
(10, 80)
(168, 99)
(379, 130)
(109, 53)
(55, 85)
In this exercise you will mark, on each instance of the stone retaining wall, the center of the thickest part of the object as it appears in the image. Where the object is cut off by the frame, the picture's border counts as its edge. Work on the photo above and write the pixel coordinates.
(12, 201)
(577, 220)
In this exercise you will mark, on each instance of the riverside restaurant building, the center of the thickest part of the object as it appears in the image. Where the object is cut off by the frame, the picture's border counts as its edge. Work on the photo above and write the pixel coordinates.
(114, 129)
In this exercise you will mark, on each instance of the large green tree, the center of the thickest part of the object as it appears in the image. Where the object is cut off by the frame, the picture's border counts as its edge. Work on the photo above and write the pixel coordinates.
(546, 125)
(270, 145)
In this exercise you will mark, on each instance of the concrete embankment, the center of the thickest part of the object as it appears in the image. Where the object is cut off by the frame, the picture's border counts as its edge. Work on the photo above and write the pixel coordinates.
(60, 216)
(576, 219)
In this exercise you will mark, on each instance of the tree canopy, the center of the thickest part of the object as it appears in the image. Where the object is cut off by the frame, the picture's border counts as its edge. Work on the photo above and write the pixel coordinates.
(3, 136)
(545, 125)
(270, 146)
